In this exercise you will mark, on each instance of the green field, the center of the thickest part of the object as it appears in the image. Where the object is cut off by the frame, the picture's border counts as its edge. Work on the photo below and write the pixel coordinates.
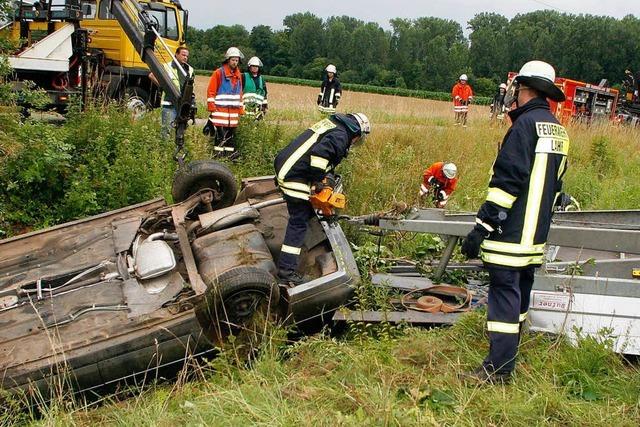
(362, 376)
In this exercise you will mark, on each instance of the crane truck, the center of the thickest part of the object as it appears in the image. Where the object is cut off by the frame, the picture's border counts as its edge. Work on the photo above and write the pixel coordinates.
(72, 48)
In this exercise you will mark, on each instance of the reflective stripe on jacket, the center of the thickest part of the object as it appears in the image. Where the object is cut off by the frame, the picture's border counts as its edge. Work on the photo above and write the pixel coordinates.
(526, 179)
(224, 97)
(310, 156)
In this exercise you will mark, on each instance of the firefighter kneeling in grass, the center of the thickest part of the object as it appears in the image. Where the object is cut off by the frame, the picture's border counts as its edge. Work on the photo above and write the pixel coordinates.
(513, 223)
(301, 167)
(440, 181)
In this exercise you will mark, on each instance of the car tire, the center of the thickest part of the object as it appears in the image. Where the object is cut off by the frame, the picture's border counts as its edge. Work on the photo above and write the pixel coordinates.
(241, 303)
(205, 174)
(136, 100)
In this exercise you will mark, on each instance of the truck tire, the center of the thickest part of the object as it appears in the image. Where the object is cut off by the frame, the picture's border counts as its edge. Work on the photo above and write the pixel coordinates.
(242, 302)
(205, 174)
(136, 100)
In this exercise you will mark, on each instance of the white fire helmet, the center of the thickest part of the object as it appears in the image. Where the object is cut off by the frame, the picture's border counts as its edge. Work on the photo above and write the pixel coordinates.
(503, 86)
(233, 52)
(463, 77)
(331, 69)
(540, 76)
(363, 122)
(449, 170)
(254, 61)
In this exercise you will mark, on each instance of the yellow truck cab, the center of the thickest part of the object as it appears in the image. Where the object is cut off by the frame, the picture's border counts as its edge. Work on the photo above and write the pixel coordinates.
(123, 74)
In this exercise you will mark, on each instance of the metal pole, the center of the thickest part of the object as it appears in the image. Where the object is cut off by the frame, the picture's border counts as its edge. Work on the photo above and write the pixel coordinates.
(452, 241)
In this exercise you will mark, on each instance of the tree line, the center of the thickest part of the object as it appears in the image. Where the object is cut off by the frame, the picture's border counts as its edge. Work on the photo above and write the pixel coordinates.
(430, 53)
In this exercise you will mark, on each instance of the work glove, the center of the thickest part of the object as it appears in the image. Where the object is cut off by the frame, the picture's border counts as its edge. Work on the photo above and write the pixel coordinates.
(441, 196)
(471, 244)
(319, 99)
(209, 129)
(329, 181)
(431, 180)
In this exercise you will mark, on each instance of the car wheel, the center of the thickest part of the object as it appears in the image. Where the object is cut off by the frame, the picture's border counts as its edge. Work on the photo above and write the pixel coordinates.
(202, 175)
(136, 100)
(240, 308)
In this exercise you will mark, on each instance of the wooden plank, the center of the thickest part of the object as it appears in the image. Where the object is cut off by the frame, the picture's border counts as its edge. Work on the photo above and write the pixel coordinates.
(410, 316)
(402, 283)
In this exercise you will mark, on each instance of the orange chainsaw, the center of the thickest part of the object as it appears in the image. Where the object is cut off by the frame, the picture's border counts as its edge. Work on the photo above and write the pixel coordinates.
(325, 201)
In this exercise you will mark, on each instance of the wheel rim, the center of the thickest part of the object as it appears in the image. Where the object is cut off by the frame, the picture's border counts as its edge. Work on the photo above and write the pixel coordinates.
(137, 107)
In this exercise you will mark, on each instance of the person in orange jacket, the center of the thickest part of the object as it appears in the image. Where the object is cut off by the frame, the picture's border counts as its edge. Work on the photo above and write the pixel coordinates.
(440, 179)
(462, 95)
(224, 101)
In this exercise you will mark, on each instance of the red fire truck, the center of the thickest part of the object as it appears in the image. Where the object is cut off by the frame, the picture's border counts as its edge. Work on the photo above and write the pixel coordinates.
(584, 101)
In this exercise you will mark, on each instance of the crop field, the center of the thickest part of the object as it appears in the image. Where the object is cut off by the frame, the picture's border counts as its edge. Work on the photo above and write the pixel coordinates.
(361, 376)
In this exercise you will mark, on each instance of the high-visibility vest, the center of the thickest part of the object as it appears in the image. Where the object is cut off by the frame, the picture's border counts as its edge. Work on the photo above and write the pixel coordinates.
(175, 79)
(252, 95)
(227, 101)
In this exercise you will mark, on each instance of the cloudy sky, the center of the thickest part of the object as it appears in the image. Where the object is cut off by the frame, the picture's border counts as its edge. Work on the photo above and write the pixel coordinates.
(207, 13)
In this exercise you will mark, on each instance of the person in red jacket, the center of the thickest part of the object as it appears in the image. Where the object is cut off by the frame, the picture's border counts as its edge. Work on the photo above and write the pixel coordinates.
(440, 180)
(224, 101)
(462, 95)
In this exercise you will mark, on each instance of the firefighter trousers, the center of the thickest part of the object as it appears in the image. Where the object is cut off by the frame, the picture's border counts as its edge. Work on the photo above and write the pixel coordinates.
(224, 141)
(300, 211)
(509, 295)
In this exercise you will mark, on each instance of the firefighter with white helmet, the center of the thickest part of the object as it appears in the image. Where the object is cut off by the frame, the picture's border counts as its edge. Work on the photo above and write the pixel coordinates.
(254, 89)
(307, 165)
(513, 223)
(497, 107)
(440, 179)
(462, 95)
(330, 91)
(224, 102)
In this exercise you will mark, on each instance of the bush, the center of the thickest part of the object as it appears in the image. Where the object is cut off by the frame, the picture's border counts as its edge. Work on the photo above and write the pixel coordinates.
(97, 161)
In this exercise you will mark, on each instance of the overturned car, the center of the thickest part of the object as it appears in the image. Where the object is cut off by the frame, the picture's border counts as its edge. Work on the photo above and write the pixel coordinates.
(93, 301)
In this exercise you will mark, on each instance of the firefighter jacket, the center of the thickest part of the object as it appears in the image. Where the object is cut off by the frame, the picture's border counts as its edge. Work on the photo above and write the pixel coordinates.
(254, 91)
(435, 170)
(309, 157)
(330, 93)
(177, 78)
(526, 179)
(461, 93)
(224, 97)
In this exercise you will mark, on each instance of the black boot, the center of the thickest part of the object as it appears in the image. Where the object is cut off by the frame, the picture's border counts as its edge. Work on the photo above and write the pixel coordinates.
(486, 375)
(290, 277)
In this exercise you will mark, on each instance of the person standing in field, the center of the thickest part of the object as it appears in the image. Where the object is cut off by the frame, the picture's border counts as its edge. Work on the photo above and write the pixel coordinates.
(306, 165)
(330, 91)
(178, 77)
(441, 180)
(254, 89)
(224, 102)
(462, 95)
(513, 223)
(497, 106)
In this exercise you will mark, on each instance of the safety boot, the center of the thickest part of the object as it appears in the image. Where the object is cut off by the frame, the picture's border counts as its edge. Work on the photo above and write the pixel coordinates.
(483, 375)
(290, 277)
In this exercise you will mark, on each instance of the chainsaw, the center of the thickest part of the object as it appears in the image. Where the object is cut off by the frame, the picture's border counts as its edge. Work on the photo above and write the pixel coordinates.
(328, 199)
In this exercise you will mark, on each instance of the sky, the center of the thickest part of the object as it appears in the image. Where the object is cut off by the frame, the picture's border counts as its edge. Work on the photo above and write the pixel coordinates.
(208, 13)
